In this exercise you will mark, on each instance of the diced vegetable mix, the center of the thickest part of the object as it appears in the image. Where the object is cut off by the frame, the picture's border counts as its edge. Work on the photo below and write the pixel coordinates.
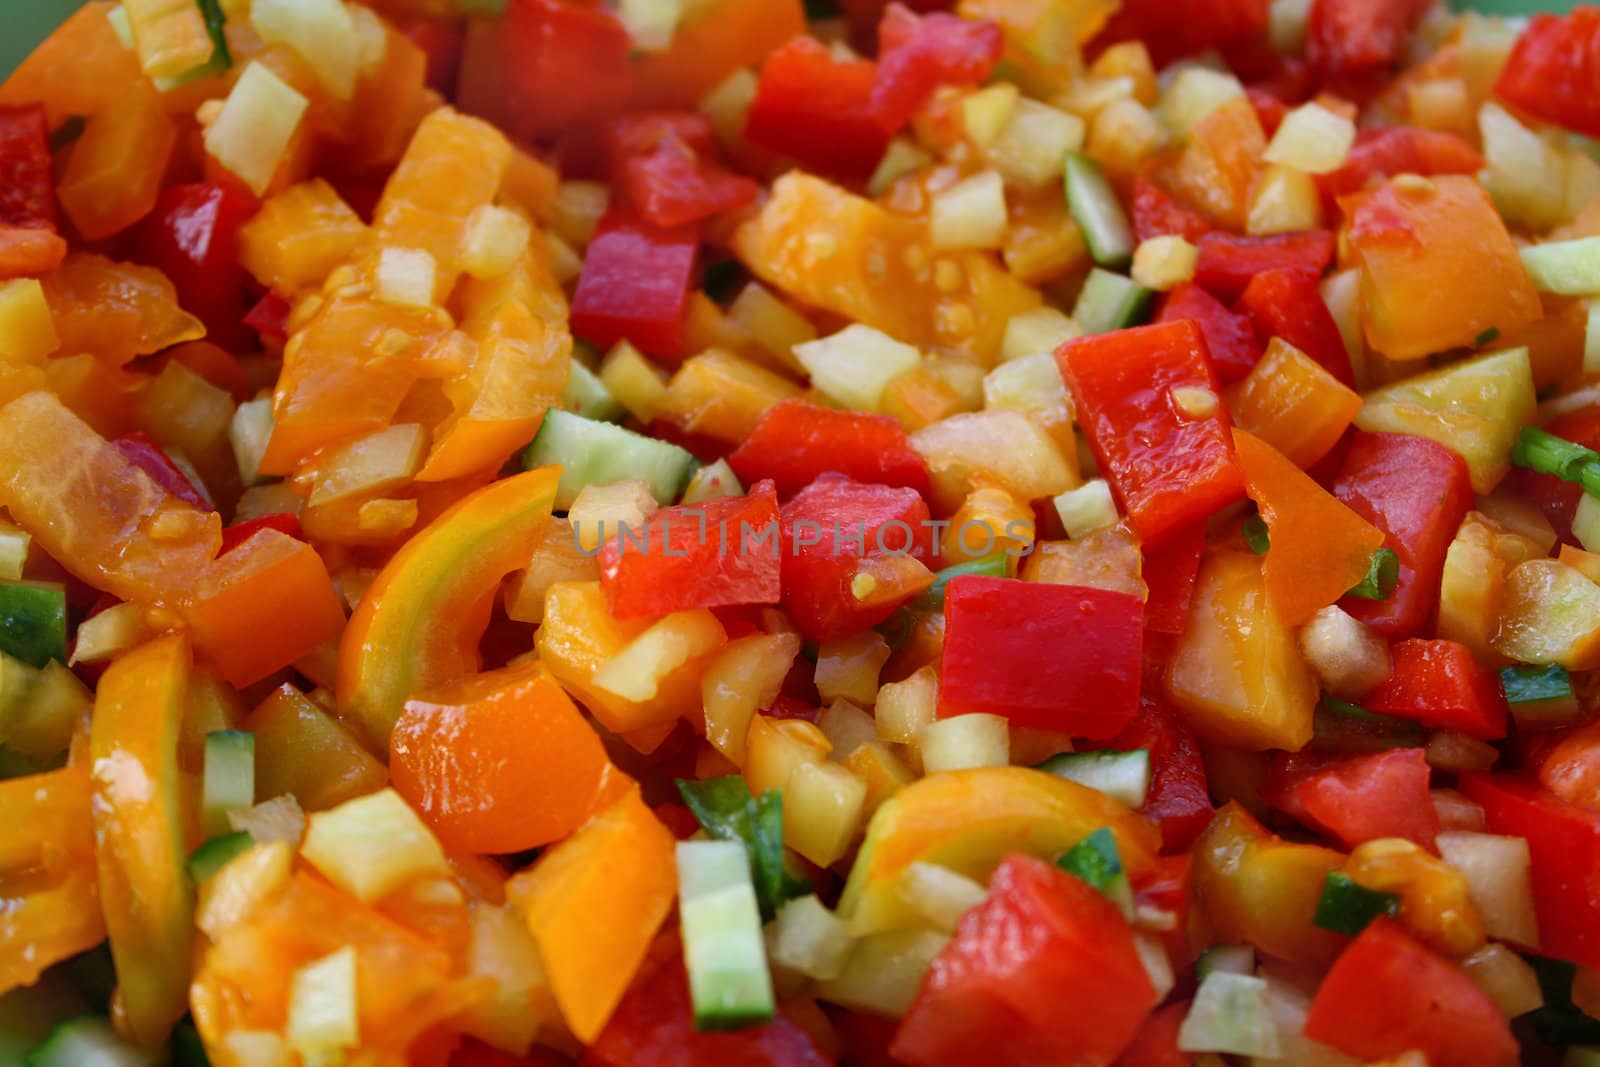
(660, 532)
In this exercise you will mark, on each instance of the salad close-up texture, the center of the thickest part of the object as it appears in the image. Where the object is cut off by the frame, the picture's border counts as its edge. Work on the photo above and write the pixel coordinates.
(762, 533)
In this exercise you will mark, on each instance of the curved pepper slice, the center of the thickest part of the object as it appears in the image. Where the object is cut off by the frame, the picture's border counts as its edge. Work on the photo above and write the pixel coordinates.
(419, 624)
(139, 837)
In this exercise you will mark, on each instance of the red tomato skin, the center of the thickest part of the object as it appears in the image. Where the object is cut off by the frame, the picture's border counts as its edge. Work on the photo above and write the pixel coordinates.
(1360, 37)
(1156, 1044)
(441, 41)
(27, 172)
(1440, 685)
(796, 442)
(1155, 214)
(1228, 263)
(1356, 798)
(1554, 68)
(1088, 683)
(1230, 335)
(474, 1053)
(270, 318)
(192, 237)
(1043, 971)
(1204, 24)
(654, 1027)
(1564, 843)
(1178, 800)
(664, 163)
(696, 556)
(1170, 571)
(1392, 150)
(1417, 492)
(635, 285)
(1288, 304)
(917, 54)
(140, 449)
(827, 529)
(818, 110)
(1387, 994)
(1168, 470)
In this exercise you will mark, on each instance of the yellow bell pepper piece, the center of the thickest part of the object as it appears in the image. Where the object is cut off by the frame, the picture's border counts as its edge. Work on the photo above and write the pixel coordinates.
(1434, 899)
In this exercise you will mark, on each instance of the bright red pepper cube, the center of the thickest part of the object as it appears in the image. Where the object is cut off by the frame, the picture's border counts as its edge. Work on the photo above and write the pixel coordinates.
(817, 110)
(719, 553)
(1553, 70)
(635, 285)
(1056, 657)
(1228, 263)
(1170, 465)
(795, 443)
(1438, 684)
(1356, 798)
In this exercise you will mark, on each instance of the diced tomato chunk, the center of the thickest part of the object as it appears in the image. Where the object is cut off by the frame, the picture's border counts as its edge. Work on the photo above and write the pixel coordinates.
(1169, 573)
(918, 54)
(1043, 971)
(994, 628)
(654, 1027)
(1155, 214)
(828, 528)
(1156, 1044)
(818, 110)
(1554, 68)
(1351, 38)
(1356, 798)
(664, 164)
(1177, 800)
(1229, 263)
(1417, 492)
(714, 554)
(795, 442)
(1203, 24)
(1391, 150)
(1170, 468)
(1440, 685)
(1230, 336)
(27, 175)
(635, 285)
(1388, 994)
(1288, 304)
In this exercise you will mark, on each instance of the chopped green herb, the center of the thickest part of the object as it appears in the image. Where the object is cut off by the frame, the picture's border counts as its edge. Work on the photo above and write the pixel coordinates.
(1255, 534)
(727, 812)
(1487, 337)
(1383, 573)
(1346, 907)
(995, 566)
(1343, 727)
(1546, 453)
(1096, 860)
(723, 279)
(216, 28)
(1534, 685)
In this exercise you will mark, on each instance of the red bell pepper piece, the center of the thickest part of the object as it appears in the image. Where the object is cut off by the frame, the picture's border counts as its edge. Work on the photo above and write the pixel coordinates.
(818, 111)
(654, 1027)
(1230, 336)
(663, 163)
(474, 1053)
(868, 1037)
(240, 532)
(1088, 686)
(546, 67)
(1228, 262)
(1169, 574)
(140, 449)
(1553, 70)
(1168, 885)
(635, 285)
(1392, 150)
(441, 41)
(1169, 469)
(919, 54)
(1156, 1043)
(192, 238)
(1155, 214)
(1558, 499)
(1043, 971)
(1177, 800)
(1356, 798)
(1204, 24)
(795, 442)
(1440, 685)
(270, 318)
(1388, 994)
(1564, 844)
(1417, 492)
(27, 174)
(827, 529)
(1288, 304)
(1353, 38)
(695, 556)
(1270, 109)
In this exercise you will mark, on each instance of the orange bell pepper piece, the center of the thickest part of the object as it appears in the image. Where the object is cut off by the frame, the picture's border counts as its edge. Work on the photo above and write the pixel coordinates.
(1218, 164)
(388, 99)
(594, 903)
(80, 69)
(1438, 268)
(420, 622)
(114, 172)
(54, 910)
(115, 311)
(723, 37)
(25, 252)
(501, 762)
(139, 833)
(1293, 404)
(299, 236)
(1320, 548)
